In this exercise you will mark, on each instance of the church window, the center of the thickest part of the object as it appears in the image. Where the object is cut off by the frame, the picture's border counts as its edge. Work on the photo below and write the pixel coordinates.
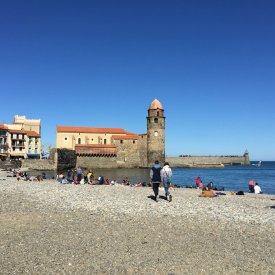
(66, 138)
(156, 120)
(79, 141)
(105, 141)
(157, 113)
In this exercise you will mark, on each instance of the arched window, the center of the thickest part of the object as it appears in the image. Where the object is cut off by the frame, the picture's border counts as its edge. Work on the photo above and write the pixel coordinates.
(79, 140)
(156, 120)
(157, 113)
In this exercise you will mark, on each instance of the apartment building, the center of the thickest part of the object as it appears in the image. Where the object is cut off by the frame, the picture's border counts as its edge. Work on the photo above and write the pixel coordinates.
(21, 139)
(4, 147)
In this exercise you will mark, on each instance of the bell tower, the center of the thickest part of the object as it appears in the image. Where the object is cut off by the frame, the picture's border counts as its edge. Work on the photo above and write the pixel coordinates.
(155, 133)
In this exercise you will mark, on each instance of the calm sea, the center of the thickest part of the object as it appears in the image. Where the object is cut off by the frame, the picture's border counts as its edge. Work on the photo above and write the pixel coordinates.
(232, 178)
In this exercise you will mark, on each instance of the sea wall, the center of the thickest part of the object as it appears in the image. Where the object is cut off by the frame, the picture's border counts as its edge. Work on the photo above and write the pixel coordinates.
(207, 161)
(38, 164)
(96, 162)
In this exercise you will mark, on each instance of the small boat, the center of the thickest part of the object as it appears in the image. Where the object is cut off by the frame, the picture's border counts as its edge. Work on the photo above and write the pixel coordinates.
(257, 164)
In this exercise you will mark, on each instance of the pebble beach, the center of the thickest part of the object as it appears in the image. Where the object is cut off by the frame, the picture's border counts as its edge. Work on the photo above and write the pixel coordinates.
(53, 228)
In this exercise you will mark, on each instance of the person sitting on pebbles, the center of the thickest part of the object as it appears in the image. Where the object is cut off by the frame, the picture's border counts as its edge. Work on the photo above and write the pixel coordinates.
(257, 189)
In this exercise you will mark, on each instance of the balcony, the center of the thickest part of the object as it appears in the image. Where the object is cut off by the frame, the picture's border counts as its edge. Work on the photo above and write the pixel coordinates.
(4, 144)
(18, 145)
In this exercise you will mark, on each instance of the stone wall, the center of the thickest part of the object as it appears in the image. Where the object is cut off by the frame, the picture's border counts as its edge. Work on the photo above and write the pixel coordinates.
(38, 164)
(127, 153)
(91, 162)
(155, 136)
(130, 154)
(142, 149)
(204, 161)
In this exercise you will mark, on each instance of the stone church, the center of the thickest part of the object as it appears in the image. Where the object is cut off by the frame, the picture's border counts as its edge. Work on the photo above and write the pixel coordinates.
(115, 147)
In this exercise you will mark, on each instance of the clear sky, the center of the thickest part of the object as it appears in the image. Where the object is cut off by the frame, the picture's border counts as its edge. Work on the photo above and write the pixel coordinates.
(101, 63)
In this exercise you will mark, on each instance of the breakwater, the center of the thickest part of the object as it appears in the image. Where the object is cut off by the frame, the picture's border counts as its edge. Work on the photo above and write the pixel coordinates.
(207, 161)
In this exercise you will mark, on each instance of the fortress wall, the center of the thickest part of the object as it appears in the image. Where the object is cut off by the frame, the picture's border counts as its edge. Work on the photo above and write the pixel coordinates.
(127, 153)
(204, 161)
(96, 162)
(142, 149)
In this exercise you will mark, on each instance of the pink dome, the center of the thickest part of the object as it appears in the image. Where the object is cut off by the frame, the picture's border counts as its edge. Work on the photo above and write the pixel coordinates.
(155, 105)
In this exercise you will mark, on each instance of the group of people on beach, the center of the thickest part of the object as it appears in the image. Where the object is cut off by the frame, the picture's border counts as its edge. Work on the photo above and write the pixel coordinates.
(20, 175)
(77, 176)
(158, 175)
(254, 187)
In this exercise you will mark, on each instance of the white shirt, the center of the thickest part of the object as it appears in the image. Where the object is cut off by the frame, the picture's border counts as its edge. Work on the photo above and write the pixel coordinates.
(257, 189)
(165, 172)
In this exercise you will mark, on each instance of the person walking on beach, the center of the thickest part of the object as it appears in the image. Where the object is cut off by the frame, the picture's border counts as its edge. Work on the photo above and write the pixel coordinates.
(79, 174)
(155, 178)
(166, 174)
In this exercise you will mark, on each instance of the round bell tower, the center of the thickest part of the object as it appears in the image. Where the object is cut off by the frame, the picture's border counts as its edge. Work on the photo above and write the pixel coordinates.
(155, 133)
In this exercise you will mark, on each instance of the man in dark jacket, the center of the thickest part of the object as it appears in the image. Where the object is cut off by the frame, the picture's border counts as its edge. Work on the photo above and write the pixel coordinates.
(155, 178)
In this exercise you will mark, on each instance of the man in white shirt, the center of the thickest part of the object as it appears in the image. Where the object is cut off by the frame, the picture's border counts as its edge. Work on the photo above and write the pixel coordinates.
(257, 189)
(166, 174)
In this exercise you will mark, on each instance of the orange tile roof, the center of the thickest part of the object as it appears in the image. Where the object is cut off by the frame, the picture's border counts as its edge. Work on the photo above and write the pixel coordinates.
(14, 131)
(28, 133)
(126, 137)
(32, 134)
(68, 129)
(2, 126)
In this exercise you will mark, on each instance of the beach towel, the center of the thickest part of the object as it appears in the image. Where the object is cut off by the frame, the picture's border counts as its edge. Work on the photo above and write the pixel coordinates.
(207, 194)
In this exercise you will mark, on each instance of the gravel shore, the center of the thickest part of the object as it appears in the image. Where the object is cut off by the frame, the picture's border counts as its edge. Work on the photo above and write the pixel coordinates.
(53, 228)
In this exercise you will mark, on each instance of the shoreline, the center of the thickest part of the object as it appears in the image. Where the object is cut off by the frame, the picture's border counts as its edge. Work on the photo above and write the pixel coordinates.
(50, 227)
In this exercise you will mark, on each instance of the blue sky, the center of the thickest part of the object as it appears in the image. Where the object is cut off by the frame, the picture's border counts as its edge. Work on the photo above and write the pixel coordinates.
(101, 64)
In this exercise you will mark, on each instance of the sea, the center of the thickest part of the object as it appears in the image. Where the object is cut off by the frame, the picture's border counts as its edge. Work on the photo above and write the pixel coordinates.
(231, 178)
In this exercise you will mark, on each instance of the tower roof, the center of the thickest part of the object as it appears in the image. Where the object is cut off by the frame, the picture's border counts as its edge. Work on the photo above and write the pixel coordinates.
(155, 105)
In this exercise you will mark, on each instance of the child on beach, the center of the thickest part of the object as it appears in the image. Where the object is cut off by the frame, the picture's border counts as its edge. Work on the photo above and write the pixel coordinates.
(198, 182)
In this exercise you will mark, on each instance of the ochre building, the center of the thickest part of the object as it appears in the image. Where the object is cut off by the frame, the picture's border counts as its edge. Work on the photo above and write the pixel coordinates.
(115, 147)
(21, 139)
